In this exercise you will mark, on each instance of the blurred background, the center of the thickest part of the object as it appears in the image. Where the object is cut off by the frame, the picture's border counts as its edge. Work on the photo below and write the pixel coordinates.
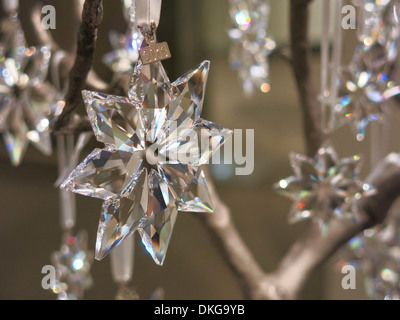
(194, 269)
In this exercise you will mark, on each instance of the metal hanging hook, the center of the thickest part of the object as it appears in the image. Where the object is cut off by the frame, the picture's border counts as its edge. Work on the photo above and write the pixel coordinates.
(148, 14)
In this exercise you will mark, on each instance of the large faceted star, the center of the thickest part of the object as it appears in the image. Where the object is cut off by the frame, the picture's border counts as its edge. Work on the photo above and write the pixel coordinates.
(150, 167)
(324, 187)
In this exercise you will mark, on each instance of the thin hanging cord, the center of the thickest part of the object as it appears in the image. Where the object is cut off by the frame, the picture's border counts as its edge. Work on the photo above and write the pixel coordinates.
(378, 144)
(336, 58)
(387, 133)
(337, 49)
(324, 59)
(65, 147)
(60, 153)
(148, 13)
(55, 66)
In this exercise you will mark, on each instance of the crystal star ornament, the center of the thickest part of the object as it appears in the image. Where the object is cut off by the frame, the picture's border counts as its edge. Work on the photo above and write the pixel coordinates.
(72, 262)
(125, 51)
(126, 46)
(251, 45)
(155, 143)
(323, 187)
(379, 23)
(362, 97)
(376, 252)
(12, 45)
(24, 96)
(25, 101)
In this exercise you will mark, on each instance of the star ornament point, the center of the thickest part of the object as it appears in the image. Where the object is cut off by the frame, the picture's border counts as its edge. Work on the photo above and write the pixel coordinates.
(324, 187)
(150, 167)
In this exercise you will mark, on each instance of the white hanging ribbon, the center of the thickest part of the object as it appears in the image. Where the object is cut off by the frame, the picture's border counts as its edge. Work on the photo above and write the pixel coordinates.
(337, 49)
(325, 39)
(73, 157)
(148, 12)
(58, 56)
(10, 6)
(336, 58)
(68, 156)
(67, 199)
(122, 258)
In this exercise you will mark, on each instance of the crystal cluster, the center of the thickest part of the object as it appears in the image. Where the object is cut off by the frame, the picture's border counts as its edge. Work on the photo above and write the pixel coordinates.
(251, 44)
(72, 263)
(376, 252)
(126, 46)
(324, 187)
(155, 143)
(365, 86)
(24, 96)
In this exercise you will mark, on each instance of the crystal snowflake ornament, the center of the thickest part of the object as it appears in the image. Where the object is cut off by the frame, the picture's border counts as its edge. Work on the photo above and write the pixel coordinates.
(366, 86)
(72, 262)
(251, 44)
(25, 101)
(24, 96)
(155, 143)
(126, 47)
(362, 97)
(378, 22)
(324, 187)
(376, 252)
(125, 51)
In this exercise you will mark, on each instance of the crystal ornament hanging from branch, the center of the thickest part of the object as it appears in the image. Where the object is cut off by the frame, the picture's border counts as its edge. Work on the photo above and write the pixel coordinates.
(376, 252)
(365, 87)
(126, 46)
(362, 97)
(251, 44)
(72, 262)
(155, 143)
(324, 187)
(24, 96)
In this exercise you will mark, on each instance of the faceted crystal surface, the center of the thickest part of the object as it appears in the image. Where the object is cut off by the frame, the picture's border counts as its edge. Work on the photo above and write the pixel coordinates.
(25, 98)
(149, 169)
(378, 22)
(125, 51)
(376, 253)
(367, 84)
(324, 187)
(12, 39)
(126, 47)
(251, 44)
(72, 262)
(361, 99)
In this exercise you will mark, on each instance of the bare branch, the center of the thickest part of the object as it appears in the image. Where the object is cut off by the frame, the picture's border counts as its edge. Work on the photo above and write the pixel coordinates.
(312, 249)
(91, 17)
(234, 250)
(300, 51)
